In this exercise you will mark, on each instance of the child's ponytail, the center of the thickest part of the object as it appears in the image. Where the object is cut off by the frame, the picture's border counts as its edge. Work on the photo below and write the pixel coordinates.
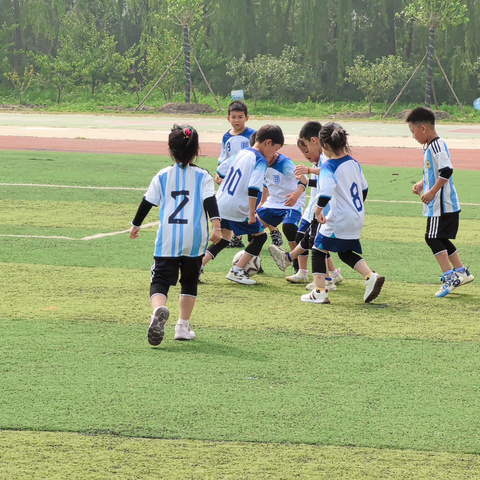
(183, 144)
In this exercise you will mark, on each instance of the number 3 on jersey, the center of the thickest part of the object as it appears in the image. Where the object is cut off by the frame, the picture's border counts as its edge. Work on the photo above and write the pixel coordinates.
(173, 217)
(354, 192)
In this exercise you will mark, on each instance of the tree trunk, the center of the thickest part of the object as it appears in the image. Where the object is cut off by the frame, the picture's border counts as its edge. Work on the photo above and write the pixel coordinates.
(186, 50)
(430, 53)
(17, 57)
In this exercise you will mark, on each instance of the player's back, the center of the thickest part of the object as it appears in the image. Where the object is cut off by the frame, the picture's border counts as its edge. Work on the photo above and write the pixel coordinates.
(180, 193)
(243, 172)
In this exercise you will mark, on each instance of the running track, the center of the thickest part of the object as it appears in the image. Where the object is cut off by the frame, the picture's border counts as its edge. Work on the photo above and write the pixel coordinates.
(399, 157)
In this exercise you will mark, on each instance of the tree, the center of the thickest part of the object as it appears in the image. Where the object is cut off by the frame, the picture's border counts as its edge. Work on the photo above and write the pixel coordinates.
(434, 14)
(186, 13)
(377, 79)
(21, 82)
(90, 52)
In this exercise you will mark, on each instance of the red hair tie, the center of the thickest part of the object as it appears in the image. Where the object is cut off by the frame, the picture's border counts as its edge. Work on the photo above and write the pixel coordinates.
(187, 131)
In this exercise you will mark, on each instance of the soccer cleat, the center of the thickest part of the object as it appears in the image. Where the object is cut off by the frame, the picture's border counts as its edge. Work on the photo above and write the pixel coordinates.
(373, 286)
(449, 284)
(156, 330)
(297, 278)
(236, 242)
(329, 286)
(240, 276)
(183, 333)
(279, 257)
(336, 276)
(465, 277)
(276, 237)
(316, 297)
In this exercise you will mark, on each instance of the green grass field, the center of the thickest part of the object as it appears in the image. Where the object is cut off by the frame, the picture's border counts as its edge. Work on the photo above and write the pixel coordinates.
(272, 388)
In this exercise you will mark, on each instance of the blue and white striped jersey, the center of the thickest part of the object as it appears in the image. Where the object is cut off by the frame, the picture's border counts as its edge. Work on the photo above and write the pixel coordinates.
(280, 180)
(435, 157)
(342, 181)
(180, 193)
(309, 211)
(244, 171)
(232, 144)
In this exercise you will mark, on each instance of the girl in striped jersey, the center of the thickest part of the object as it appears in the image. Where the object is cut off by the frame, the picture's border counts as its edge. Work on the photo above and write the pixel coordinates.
(440, 200)
(185, 194)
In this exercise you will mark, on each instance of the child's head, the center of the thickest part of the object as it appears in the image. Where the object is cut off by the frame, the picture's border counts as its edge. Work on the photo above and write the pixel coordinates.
(421, 122)
(183, 144)
(333, 139)
(238, 115)
(310, 156)
(310, 134)
(268, 140)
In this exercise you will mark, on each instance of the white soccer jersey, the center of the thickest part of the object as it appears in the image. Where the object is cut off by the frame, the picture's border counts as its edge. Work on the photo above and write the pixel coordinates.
(309, 211)
(180, 193)
(244, 171)
(436, 157)
(280, 180)
(342, 181)
(232, 144)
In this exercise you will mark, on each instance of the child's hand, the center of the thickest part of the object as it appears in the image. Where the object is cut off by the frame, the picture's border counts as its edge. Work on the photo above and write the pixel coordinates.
(417, 188)
(300, 170)
(216, 236)
(302, 178)
(427, 197)
(320, 218)
(134, 232)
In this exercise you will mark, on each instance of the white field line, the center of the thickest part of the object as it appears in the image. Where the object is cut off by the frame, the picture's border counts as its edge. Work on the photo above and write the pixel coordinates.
(110, 234)
(86, 239)
(69, 186)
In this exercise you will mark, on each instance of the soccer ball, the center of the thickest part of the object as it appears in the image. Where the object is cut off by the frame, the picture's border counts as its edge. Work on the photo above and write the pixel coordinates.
(252, 267)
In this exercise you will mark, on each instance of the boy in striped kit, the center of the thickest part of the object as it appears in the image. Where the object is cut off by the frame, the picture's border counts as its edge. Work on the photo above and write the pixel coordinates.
(440, 200)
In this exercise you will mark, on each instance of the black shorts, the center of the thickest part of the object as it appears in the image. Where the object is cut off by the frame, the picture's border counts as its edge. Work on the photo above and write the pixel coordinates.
(165, 270)
(443, 227)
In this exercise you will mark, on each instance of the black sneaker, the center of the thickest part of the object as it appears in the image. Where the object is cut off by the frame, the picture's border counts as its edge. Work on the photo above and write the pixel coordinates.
(157, 326)
(276, 237)
(236, 242)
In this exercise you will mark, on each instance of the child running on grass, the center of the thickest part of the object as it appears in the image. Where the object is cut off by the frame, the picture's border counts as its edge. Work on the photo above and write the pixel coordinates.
(186, 195)
(241, 187)
(309, 145)
(440, 200)
(343, 187)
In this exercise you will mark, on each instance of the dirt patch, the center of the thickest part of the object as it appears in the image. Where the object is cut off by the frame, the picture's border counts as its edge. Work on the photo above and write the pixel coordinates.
(186, 108)
(439, 115)
(348, 115)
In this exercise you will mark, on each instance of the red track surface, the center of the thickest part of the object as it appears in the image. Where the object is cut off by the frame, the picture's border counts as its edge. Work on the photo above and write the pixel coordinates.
(399, 157)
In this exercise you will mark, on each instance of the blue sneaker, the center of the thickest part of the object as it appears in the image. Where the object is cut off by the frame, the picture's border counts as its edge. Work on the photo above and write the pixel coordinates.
(449, 284)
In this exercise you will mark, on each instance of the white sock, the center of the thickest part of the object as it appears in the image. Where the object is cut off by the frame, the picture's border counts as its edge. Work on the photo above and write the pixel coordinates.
(183, 323)
(303, 271)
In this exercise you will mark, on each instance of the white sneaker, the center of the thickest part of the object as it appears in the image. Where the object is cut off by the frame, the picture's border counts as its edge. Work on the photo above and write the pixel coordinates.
(373, 286)
(465, 277)
(279, 257)
(156, 330)
(183, 333)
(316, 297)
(449, 284)
(329, 286)
(336, 276)
(240, 276)
(297, 278)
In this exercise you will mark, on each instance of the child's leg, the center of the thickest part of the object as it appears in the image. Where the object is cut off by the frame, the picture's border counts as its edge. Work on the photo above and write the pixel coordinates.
(253, 249)
(213, 250)
(319, 268)
(186, 304)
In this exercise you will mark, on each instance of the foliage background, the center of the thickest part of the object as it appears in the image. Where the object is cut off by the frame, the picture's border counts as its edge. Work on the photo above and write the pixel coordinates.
(109, 46)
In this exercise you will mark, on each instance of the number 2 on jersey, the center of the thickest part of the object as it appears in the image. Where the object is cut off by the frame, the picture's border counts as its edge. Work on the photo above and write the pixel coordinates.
(172, 218)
